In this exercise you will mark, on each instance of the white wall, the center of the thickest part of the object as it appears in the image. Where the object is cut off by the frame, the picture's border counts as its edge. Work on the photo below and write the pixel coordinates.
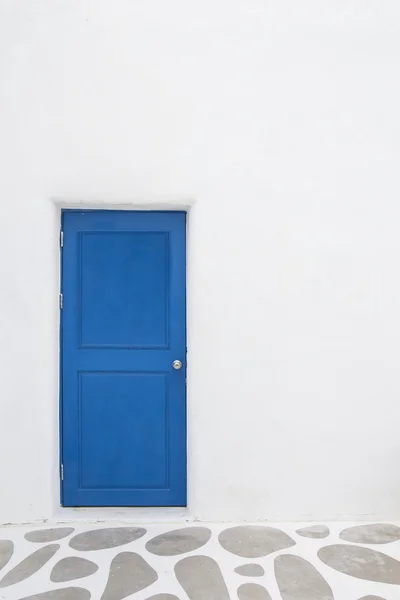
(281, 120)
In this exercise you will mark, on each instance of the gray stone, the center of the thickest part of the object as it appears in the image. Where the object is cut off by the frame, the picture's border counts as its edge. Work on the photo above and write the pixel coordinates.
(372, 598)
(99, 539)
(72, 568)
(69, 593)
(129, 573)
(362, 563)
(314, 531)
(252, 591)
(6, 552)
(48, 535)
(375, 533)
(251, 570)
(179, 541)
(201, 578)
(29, 565)
(253, 541)
(298, 579)
(163, 597)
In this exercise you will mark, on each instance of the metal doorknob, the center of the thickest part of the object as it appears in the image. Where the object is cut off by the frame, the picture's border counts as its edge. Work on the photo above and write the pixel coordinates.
(177, 364)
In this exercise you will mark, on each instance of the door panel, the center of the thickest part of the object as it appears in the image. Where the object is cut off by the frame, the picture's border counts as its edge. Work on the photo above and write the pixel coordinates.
(124, 289)
(123, 324)
(106, 460)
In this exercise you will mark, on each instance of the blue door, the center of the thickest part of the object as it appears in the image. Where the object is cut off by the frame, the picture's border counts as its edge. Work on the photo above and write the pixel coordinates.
(123, 359)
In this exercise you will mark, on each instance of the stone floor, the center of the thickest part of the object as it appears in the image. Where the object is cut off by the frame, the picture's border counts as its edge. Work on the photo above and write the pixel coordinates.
(201, 562)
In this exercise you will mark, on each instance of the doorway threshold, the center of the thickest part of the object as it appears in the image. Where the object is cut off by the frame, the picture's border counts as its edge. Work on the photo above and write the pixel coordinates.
(134, 514)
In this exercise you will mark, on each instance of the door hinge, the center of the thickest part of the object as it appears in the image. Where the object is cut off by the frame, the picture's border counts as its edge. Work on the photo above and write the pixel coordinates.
(62, 472)
(61, 239)
(61, 300)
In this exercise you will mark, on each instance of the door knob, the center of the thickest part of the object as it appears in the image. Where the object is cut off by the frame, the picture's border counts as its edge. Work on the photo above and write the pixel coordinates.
(177, 364)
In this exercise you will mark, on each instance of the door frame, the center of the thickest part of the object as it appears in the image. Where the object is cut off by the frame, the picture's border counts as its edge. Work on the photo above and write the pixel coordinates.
(62, 206)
